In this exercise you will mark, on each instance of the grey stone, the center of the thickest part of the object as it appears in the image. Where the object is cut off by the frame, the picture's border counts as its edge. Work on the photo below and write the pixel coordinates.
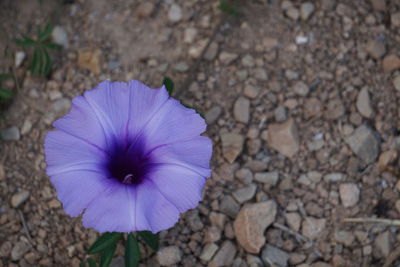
(244, 175)
(275, 255)
(229, 206)
(181, 67)
(19, 198)
(61, 106)
(246, 193)
(248, 61)
(383, 243)
(175, 13)
(306, 10)
(349, 194)
(364, 103)
(280, 114)
(226, 58)
(26, 127)
(301, 88)
(270, 178)
(10, 134)
(208, 251)
(60, 36)
(376, 49)
(225, 255)
(312, 227)
(334, 177)
(19, 58)
(251, 91)
(396, 82)
(118, 262)
(293, 219)
(194, 221)
(19, 250)
(260, 74)
(169, 255)
(292, 13)
(213, 114)
(211, 51)
(241, 109)
(364, 142)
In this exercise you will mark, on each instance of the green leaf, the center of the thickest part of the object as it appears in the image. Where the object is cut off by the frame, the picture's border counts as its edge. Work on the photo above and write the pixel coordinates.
(35, 65)
(169, 85)
(48, 63)
(106, 240)
(4, 76)
(83, 264)
(5, 94)
(107, 255)
(91, 262)
(150, 239)
(45, 34)
(132, 252)
(52, 46)
(26, 41)
(228, 8)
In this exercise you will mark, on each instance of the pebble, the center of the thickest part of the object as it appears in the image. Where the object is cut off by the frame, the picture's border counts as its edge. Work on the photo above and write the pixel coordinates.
(225, 255)
(364, 103)
(301, 40)
(118, 262)
(229, 206)
(291, 75)
(260, 74)
(390, 63)
(244, 175)
(19, 58)
(175, 13)
(232, 145)
(364, 142)
(60, 36)
(145, 9)
(169, 255)
(181, 66)
(292, 13)
(248, 61)
(386, 158)
(244, 194)
(251, 222)
(251, 91)
(344, 237)
(293, 219)
(280, 114)
(10, 134)
(306, 10)
(226, 58)
(335, 109)
(208, 251)
(396, 82)
(194, 221)
(90, 59)
(213, 114)
(334, 177)
(241, 109)
(378, 5)
(395, 19)
(189, 35)
(275, 255)
(300, 88)
(270, 178)
(19, 250)
(18, 198)
(283, 137)
(61, 106)
(2, 172)
(211, 51)
(383, 244)
(349, 194)
(376, 49)
(312, 227)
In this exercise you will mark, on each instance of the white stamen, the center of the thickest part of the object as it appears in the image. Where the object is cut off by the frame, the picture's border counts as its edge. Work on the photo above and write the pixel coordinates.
(128, 179)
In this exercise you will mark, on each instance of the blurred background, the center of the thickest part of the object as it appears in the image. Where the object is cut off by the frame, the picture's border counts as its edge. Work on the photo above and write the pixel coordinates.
(301, 100)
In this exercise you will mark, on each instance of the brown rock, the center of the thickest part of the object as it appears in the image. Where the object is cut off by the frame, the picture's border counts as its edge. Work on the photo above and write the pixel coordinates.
(232, 145)
(283, 137)
(376, 49)
(386, 158)
(145, 9)
(390, 63)
(364, 103)
(293, 219)
(225, 255)
(349, 194)
(89, 59)
(251, 223)
(312, 227)
(395, 19)
(378, 5)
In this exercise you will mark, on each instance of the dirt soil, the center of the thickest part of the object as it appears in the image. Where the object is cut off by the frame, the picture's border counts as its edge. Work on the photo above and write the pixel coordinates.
(301, 100)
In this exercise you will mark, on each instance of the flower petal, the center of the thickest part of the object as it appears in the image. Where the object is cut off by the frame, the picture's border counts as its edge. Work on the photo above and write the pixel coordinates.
(173, 123)
(65, 153)
(180, 186)
(194, 154)
(82, 123)
(76, 189)
(127, 208)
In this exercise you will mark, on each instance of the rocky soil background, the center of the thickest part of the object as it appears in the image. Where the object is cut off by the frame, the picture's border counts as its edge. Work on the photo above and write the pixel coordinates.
(301, 100)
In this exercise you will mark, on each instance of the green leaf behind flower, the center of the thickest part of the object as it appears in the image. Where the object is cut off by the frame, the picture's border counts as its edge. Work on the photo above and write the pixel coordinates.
(132, 252)
(107, 255)
(169, 85)
(150, 239)
(105, 241)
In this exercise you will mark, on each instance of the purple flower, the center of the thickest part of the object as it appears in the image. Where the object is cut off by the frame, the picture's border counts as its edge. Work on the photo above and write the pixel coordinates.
(129, 157)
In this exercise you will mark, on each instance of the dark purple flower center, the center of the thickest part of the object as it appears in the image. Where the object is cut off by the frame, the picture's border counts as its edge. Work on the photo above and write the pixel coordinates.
(128, 163)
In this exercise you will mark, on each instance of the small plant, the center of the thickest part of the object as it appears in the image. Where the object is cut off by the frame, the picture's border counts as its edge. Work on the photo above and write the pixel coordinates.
(41, 62)
(229, 8)
(5, 95)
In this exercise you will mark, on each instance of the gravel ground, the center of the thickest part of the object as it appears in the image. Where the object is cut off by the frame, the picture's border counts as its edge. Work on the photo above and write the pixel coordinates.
(300, 99)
